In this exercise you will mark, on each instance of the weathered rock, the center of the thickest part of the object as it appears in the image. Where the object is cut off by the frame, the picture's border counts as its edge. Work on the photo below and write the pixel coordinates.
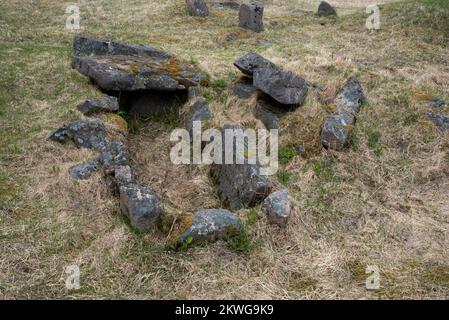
(284, 86)
(141, 206)
(244, 89)
(123, 174)
(84, 170)
(197, 8)
(269, 111)
(265, 43)
(199, 111)
(225, 5)
(112, 155)
(325, 10)
(251, 16)
(85, 46)
(439, 120)
(336, 128)
(84, 133)
(91, 106)
(211, 225)
(277, 207)
(239, 185)
(193, 92)
(251, 62)
(231, 37)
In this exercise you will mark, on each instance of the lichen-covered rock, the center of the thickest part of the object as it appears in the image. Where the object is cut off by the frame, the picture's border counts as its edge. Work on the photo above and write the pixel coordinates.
(84, 170)
(277, 207)
(123, 174)
(283, 86)
(337, 128)
(251, 62)
(251, 16)
(85, 46)
(210, 225)
(141, 206)
(116, 66)
(199, 111)
(325, 10)
(239, 185)
(439, 120)
(112, 155)
(197, 8)
(91, 106)
(84, 133)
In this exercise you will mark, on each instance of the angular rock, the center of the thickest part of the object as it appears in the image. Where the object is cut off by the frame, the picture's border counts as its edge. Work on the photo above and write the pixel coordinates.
(85, 46)
(439, 120)
(239, 185)
(244, 89)
(84, 133)
(251, 16)
(197, 8)
(336, 128)
(211, 225)
(91, 106)
(284, 86)
(326, 10)
(84, 170)
(199, 111)
(251, 62)
(277, 207)
(112, 155)
(141, 206)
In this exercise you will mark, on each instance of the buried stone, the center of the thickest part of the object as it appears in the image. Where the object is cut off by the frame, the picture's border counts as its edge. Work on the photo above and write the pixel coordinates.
(199, 111)
(84, 170)
(326, 10)
(91, 106)
(210, 225)
(336, 128)
(244, 88)
(251, 16)
(439, 120)
(141, 206)
(269, 111)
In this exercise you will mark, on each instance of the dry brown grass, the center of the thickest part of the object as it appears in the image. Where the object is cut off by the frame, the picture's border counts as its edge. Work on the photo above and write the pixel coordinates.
(383, 201)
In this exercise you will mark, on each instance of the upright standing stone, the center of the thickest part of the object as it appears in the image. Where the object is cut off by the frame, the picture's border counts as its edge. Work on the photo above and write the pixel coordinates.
(197, 8)
(251, 16)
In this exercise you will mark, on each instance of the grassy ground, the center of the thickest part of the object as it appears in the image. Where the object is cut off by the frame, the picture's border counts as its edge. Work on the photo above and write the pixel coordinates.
(384, 201)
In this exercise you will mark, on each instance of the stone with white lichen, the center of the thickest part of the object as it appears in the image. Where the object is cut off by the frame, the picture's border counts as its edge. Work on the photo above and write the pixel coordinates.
(277, 207)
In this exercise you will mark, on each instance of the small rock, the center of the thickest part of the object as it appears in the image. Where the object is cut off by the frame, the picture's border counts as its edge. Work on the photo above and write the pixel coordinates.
(91, 106)
(269, 111)
(265, 43)
(231, 37)
(84, 170)
(142, 207)
(193, 92)
(336, 128)
(239, 185)
(251, 62)
(277, 206)
(211, 225)
(199, 111)
(439, 120)
(251, 16)
(112, 155)
(197, 8)
(244, 90)
(123, 174)
(84, 133)
(325, 10)
(284, 86)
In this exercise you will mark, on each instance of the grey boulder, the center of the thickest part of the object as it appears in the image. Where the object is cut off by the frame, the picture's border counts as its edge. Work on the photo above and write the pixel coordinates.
(283, 86)
(244, 90)
(337, 128)
(197, 8)
(91, 106)
(84, 133)
(141, 206)
(277, 207)
(239, 185)
(251, 16)
(84, 170)
(211, 225)
(251, 62)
